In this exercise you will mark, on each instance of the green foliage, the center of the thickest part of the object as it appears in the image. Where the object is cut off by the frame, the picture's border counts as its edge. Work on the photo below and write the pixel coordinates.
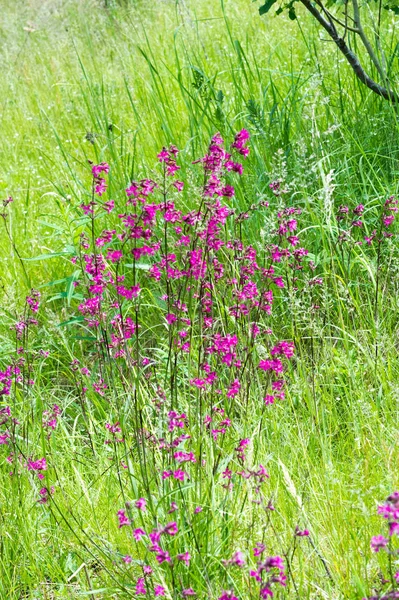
(96, 82)
(288, 6)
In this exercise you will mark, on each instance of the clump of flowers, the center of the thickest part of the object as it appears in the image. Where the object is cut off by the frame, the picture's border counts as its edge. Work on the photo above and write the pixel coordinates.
(173, 390)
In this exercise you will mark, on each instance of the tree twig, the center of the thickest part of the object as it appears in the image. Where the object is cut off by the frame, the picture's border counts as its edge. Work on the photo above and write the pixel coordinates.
(350, 56)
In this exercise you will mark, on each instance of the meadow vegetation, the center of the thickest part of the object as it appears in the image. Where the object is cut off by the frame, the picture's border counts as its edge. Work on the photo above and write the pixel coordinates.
(199, 294)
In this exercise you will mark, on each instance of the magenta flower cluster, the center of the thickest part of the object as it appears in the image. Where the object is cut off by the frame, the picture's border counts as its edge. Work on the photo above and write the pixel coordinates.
(176, 310)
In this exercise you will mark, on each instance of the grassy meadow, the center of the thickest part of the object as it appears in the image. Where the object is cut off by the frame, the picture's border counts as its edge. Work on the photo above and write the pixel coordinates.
(90, 388)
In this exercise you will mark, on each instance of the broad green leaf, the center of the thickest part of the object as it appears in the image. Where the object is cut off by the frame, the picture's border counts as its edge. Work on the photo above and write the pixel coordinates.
(266, 7)
(71, 321)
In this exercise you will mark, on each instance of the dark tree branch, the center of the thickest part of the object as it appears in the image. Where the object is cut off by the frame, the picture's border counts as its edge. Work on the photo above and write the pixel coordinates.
(331, 18)
(349, 55)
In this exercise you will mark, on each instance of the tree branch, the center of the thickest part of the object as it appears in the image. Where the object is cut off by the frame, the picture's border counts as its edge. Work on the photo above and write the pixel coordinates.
(331, 18)
(366, 43)
(350, 55)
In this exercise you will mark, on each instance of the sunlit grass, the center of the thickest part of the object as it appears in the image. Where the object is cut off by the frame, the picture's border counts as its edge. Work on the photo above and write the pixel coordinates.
(84, 82)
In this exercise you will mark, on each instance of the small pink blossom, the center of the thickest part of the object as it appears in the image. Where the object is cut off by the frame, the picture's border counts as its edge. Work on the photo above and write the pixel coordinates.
(123, 518)
(141, 504)
(378, 542)
(127, 559)
(159, 590)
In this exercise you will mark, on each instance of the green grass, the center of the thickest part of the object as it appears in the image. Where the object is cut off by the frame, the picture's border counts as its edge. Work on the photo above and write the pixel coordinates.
(116, 84)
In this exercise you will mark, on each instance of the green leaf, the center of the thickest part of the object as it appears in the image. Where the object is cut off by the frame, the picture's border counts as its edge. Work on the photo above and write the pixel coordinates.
(51, 225)
(394, 8)
(71, 321)
(48, 256)
(55, 282)
(65, 295)
(266, 7)
(292, 13)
